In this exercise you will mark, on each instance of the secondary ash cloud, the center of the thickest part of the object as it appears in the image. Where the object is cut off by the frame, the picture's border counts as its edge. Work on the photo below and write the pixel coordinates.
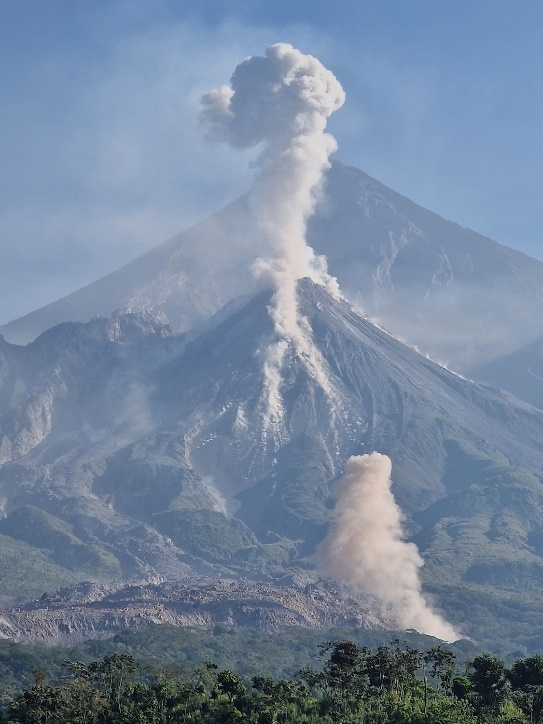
(366, 548)
(282, 101)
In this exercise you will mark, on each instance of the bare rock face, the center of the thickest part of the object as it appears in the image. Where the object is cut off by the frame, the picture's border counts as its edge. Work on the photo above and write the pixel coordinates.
(94, 611)
(133, 452)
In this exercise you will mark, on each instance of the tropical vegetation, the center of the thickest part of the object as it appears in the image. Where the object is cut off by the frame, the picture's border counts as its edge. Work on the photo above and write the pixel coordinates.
(395, 683)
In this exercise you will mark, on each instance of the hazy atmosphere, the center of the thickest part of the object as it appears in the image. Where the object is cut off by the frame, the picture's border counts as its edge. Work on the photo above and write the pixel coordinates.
(271, 360)
(103, 158)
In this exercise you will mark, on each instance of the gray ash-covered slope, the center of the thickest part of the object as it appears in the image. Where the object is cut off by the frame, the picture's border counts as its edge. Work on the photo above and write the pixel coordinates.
(459, 296)
(91, 611)
(131, 451)
(519, 372)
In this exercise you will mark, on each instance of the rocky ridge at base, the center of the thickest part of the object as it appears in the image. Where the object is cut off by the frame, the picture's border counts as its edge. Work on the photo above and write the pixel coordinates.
(91, 610)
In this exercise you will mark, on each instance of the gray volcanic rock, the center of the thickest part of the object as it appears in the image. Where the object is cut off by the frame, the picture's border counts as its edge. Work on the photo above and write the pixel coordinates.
(92, 611)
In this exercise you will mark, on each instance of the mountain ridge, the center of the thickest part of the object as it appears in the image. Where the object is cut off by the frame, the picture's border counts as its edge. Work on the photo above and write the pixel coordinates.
(151, 447)
(458, 296)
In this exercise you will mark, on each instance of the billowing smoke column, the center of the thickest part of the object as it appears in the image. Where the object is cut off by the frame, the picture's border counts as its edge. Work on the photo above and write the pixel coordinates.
(367, 550)
(282, 101)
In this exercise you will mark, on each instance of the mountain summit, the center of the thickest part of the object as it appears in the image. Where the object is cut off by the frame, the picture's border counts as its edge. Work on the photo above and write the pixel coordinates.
(458, 296)
(136, 434)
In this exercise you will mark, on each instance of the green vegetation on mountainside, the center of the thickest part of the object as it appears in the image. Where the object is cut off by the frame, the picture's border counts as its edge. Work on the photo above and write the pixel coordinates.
(26, 572)
(486, 530)
(39, 552)
(205, 533)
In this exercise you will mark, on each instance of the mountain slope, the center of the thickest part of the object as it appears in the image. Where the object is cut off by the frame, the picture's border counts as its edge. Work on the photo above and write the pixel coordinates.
(149, 449)
(520, 372)
(457, 295)
(189, 278)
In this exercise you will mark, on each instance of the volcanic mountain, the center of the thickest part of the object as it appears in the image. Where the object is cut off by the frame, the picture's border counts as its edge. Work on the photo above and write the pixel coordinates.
(456, 295)
(131, 450)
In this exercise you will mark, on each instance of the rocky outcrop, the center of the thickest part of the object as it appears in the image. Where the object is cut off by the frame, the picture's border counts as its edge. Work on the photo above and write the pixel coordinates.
(94, 611)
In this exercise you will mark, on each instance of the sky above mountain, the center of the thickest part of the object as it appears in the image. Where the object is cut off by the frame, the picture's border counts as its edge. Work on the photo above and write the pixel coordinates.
(102, 157)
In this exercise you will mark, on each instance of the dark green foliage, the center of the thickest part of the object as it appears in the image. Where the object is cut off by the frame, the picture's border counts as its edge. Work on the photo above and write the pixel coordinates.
(344, 679)
(486, 674)
(526, 678)
(246, 651)
(115, 690)
(508, 623)
(394, 684)
(441, 663)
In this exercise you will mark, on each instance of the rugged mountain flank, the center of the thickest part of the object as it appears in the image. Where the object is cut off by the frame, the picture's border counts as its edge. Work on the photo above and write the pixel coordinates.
(129, 450)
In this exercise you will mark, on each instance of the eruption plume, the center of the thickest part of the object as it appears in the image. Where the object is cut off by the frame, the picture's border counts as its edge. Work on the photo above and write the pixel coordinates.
(366, 546)
(282, 101)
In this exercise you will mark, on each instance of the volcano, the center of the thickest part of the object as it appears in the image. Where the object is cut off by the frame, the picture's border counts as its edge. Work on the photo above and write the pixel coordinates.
(458, 296)
(130, 450)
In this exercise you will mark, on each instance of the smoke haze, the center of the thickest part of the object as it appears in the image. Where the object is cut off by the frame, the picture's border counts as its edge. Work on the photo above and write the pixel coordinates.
(282, 101)
(366, 547)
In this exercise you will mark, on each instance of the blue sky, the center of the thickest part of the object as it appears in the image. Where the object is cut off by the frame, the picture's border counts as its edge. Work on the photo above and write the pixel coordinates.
(102, 158)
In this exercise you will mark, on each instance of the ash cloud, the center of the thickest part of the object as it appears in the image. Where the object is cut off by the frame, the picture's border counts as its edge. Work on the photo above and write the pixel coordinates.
(366, 548)
(281, 102)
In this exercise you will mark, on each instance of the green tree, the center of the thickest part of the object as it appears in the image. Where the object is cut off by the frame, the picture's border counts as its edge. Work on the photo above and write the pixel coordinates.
(461, 687)
(442, 667)
(230, 684)
(526, 677)
(344, 679)
(486, 674)
(39, 705)
(113, 676)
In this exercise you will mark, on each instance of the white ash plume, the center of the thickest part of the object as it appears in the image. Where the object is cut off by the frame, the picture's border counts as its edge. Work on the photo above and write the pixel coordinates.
(366, 548)
(282, 101)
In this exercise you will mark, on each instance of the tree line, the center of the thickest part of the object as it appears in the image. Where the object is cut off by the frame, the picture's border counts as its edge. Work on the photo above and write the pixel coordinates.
(395, 683)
